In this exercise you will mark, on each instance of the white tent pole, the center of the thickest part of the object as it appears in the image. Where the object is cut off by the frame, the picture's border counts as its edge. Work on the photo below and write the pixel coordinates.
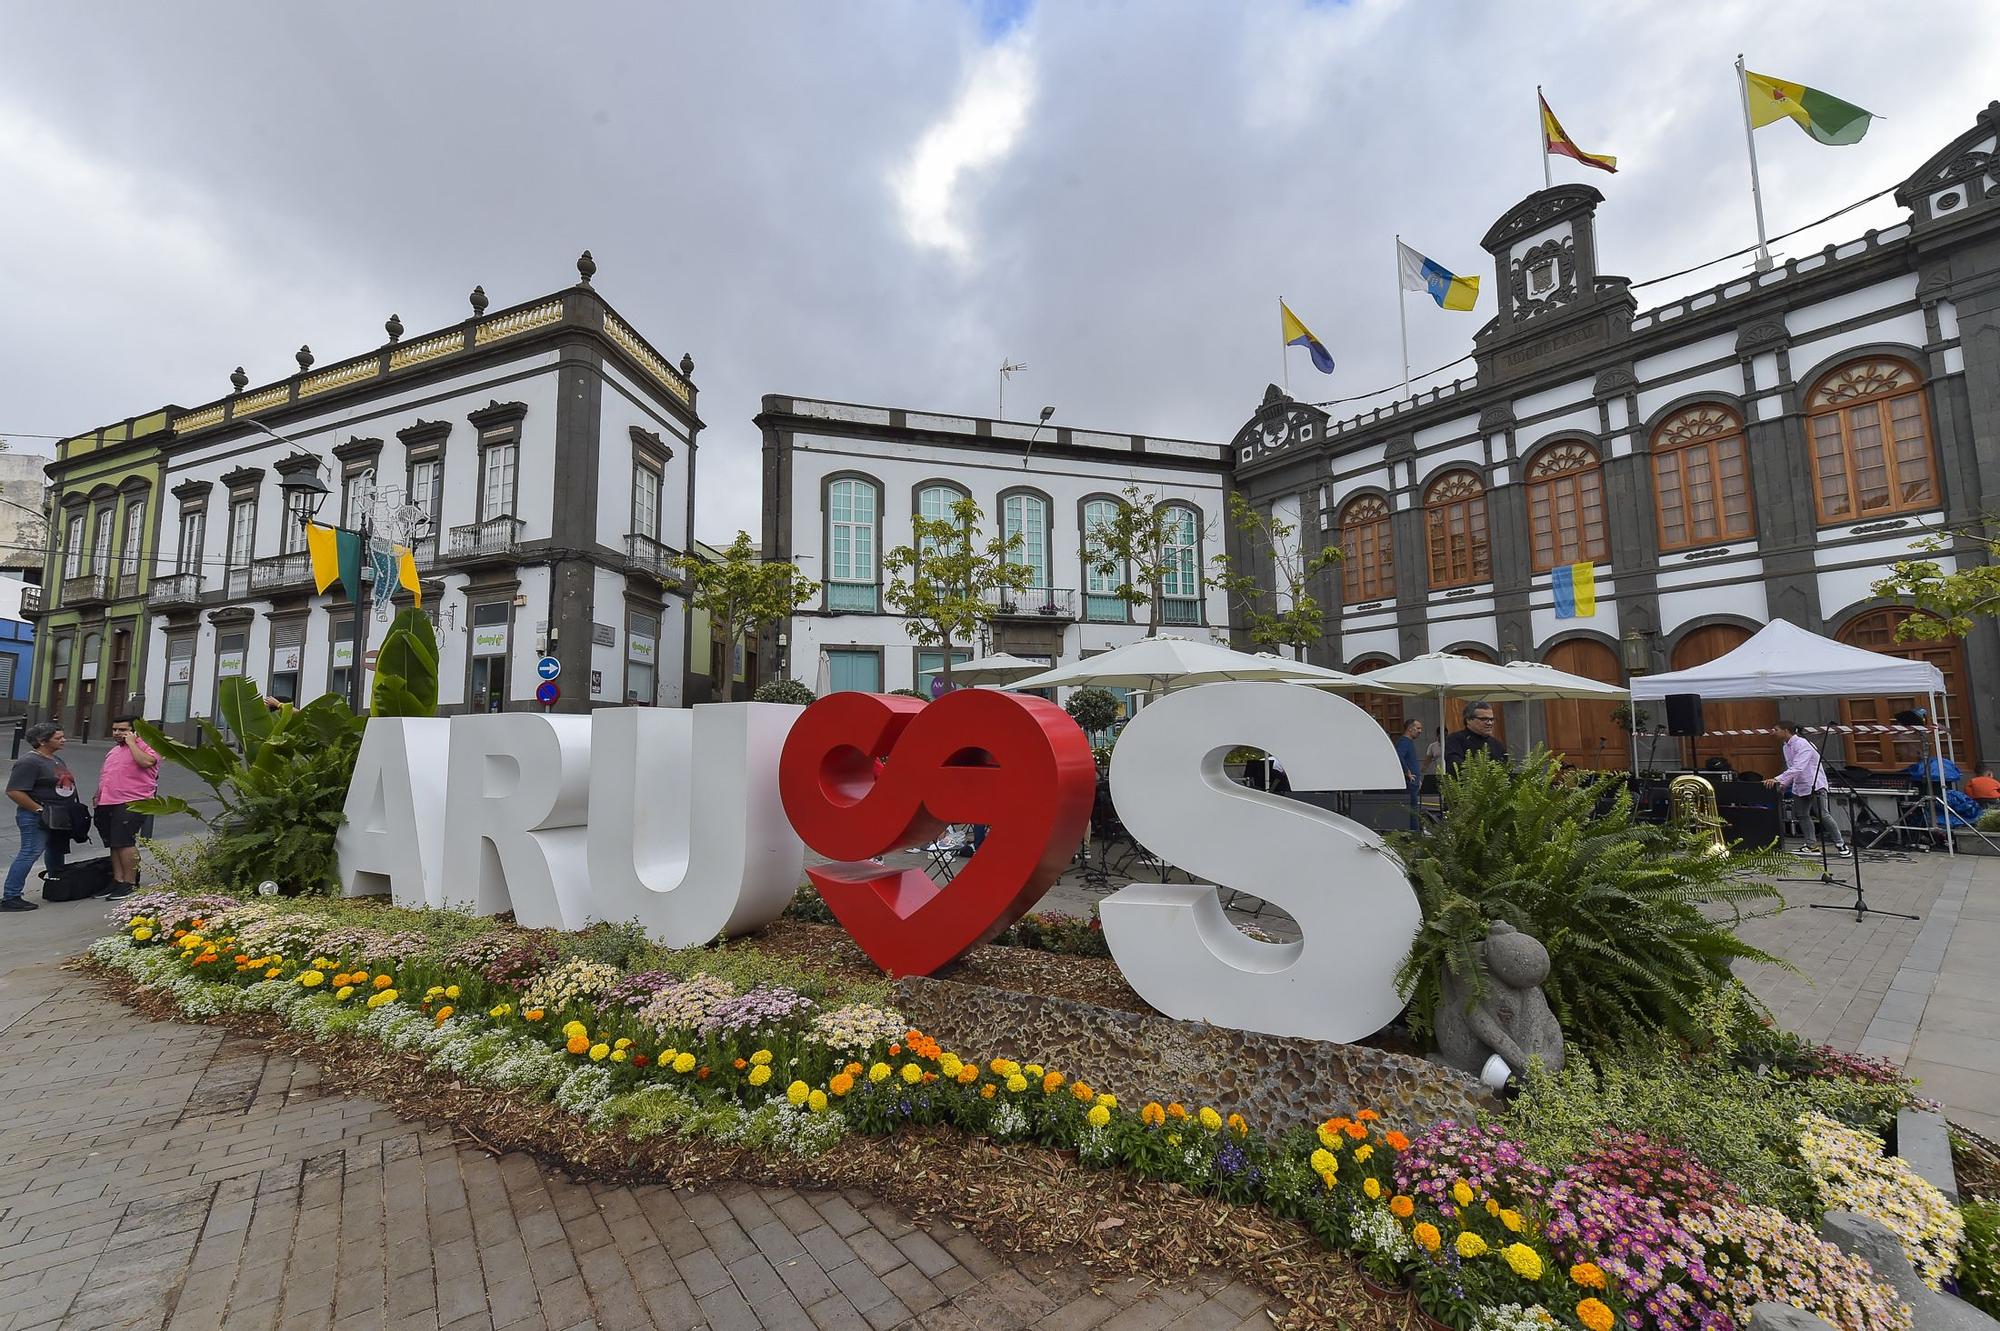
(1937, 747)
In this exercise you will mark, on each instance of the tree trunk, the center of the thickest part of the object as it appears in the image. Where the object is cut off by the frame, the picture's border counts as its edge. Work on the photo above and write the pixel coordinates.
(947, 664)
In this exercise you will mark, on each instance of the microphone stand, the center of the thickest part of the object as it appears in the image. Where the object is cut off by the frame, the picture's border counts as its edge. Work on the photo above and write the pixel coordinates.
(1861, 908)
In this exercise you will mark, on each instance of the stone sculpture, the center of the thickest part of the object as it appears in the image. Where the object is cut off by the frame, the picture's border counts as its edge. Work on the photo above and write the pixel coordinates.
(1511, 1020)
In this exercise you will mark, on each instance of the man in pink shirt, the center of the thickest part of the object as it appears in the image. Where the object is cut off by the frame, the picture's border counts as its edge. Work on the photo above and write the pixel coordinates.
(131, 772)
(1804, 778)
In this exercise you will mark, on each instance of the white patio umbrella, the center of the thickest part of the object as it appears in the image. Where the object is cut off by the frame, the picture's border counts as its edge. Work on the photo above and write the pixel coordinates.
(1545, 681)
(1447, 675)
(1164, 662)
(1313, 676)
(999, 668)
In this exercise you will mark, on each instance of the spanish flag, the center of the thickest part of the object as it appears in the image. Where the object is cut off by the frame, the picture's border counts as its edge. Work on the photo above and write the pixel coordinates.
(1296, 334)
(1449, 290)
(1826, 118)
(1555, 139)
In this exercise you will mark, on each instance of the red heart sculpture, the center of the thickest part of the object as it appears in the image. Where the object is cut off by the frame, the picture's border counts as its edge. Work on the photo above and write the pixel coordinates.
(863, 774)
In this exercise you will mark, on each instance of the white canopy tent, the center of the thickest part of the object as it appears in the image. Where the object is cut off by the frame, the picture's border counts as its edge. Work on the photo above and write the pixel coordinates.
(1783, 660)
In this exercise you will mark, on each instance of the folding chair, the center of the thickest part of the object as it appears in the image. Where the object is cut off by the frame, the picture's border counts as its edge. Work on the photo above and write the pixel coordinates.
(942, 855)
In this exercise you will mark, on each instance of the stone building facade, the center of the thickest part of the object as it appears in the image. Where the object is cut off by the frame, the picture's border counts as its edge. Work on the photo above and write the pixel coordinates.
(1765, 448)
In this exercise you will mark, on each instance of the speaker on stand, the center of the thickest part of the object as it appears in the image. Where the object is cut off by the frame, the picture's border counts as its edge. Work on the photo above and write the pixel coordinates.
(1684, 722)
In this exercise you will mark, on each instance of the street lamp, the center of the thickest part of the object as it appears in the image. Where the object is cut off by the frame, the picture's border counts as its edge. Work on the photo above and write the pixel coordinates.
(305, 494)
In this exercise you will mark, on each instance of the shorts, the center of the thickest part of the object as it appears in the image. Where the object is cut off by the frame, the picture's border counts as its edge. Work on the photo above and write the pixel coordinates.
(119, 826)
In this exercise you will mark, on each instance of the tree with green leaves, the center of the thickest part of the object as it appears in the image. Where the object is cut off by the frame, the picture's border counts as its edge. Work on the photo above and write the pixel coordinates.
(743, 593)
(1134, 545)
(944, 583)
(1285, 613)
(1948, 604)
(406, 668)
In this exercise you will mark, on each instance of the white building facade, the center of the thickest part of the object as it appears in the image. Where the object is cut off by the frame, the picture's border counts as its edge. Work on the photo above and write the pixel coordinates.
(842, 483)
(545, 455)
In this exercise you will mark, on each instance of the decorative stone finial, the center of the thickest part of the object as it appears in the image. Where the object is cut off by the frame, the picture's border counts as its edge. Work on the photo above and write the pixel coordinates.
(304, 356)
(394, 327)
(586, 267)
(687, 365)
(239, 380)
(478, 299)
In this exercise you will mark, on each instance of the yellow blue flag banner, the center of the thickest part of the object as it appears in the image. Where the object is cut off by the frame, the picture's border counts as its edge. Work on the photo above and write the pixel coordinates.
(1296, 334)
(1449, 290)
(1575, 587)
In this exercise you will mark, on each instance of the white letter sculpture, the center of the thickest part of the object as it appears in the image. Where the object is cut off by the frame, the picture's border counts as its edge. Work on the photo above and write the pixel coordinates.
(395, 813)
(517, 795)
(1349, 895)
(687, 833)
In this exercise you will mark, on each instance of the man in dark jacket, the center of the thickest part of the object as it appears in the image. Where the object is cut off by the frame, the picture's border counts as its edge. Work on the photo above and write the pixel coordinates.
(1477, 737)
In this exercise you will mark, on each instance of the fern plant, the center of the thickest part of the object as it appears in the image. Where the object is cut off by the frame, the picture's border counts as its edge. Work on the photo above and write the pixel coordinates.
(1639, 920)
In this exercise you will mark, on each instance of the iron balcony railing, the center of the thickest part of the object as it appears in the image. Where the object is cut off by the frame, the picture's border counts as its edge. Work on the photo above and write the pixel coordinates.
(649, 556)
(1180, 610)
(1104, 608)
(174, 589)
(85, 587)
(852, 596)
(281, 571)
(481, 540)
(31, 598)
(1033, 602)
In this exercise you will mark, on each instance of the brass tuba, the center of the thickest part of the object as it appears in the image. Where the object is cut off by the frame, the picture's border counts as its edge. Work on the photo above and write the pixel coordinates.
(1692, 799)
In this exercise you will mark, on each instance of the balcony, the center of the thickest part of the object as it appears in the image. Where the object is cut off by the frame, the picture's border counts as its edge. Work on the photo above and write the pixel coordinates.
(496, 539)
(1104, 608)
(425, 550)
(643, 554)
(128, 583)
(859, 596)
(31, 599)
(289, 572)
(1032, 602)
(1180, 609)
(84, 588)
(175, 589)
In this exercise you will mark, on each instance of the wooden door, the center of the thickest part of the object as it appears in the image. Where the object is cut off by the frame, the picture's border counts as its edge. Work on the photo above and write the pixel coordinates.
(1584, 731)
(1746, 753)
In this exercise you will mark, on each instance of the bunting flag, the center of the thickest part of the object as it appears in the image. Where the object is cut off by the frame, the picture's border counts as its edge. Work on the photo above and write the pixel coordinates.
(1575, 586)
(1450, 291)
(336, 557)
(1296, 334)
(1826, 118)
(1557, 140)
(406, 573)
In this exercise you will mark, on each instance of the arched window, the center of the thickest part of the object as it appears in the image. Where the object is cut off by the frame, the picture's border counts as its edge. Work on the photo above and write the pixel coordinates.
(1455, 528)
(1871, 441)
(1565, 507)
(935, 501)
(1368, 572)
(1027, 516)
(853, 536)
(1180, 585)
(1876, 630)
(1102, 574)
(1701, 478)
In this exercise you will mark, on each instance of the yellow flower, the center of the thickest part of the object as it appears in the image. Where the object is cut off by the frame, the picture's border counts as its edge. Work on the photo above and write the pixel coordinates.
(1595, 1315)
(324, 963)
(760, 1074)
(798, 1092)
(1471, 1245)
(1210, 1119)
(1461, 1192)
(1427, 1236)
(1525, 1261)
(1033, 1069)
(1108, 1100)
(683, 1063)
(345, 992)
(950, 1064)
(1370, 1187)
(761, 1057)
(1323, 1162)
(1493, 1208)
(1004, 1067)
(1174, 1139)
(311, 979)
(501, 1010)
(912, 1073)
(618, 1056)
(1362, 1152)
(451, 992)
(599, 1051)
(433, 992)
(1017, 1083)
(878, 1072)
(1098, 1116)
(1513, 1221)
(382, 999)
(572, 1029)
(273, 973)
(142, 933)
(621, 1043)
(816, 1102)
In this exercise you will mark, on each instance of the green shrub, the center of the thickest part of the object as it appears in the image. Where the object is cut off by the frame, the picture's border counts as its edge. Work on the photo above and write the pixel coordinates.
(624, 945)
(783, 690)
(1093, 709)
(1989, 821)
(1639, 920)
(1066, 935)
(1979, 1257)
(808, 904)
(911, 693)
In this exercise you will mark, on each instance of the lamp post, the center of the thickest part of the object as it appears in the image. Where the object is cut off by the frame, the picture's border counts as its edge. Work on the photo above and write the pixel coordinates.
(310, 492)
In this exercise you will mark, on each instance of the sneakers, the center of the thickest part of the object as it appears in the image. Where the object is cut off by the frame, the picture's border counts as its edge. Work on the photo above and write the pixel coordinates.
(1810, 848)
(1844, 852)
(17, 903)
(119, 891)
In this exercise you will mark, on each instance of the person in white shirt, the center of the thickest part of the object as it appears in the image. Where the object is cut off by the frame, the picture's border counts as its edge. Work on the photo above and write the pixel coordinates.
(1804, 778)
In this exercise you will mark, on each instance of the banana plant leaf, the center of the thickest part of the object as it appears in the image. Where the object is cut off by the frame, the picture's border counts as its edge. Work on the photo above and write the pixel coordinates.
(243, 711)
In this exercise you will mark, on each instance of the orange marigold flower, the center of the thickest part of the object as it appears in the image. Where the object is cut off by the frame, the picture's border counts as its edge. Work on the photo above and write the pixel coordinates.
(640, 1060)
(701, 1073)
(1427, 1235)
(578, 1044)
(1402, 1207)
(1367, 1115)
(1176, 1110)
(532, 1014)
(1051, 1082)
(842, 1083)
(1356, 1130)
(241, 959)
(1081, 1091)
(1237, 1125)
(894, 1050)
(1588, 1274)
(968, 1074)
(1340, 1124)
(1152, 1115)
(929, 1077)
(986, 1091)
(741, 1064)
(852, 1069)
(1397, 1141)
(384, 981)
(1595, 1315)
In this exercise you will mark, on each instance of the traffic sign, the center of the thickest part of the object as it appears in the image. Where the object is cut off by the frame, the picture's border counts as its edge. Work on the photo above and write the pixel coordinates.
(548, 667)
(370, 657)
(547, 693)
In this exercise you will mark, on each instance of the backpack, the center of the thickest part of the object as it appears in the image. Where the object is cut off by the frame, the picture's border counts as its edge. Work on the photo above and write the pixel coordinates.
(77, 880)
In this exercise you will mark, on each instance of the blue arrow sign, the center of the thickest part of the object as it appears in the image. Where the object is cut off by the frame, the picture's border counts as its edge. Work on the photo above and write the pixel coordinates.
(548, 667)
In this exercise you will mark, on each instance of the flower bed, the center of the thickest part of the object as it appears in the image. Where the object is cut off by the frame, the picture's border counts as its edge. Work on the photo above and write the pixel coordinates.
(713, 1049)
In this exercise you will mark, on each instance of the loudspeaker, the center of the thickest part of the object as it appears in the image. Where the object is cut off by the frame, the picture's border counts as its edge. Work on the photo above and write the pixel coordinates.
(1684, 714)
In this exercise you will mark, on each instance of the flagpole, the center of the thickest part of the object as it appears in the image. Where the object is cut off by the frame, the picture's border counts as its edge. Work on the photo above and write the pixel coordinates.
(1402, 316)
(1756, 192)
(1542, 137)
(1284, 349)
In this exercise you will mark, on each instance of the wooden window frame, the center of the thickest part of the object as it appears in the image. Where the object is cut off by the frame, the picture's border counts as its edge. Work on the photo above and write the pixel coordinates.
(1705, 428)
(1368, 572)
(1552, 474)
(1477, 536)
(1837, 395)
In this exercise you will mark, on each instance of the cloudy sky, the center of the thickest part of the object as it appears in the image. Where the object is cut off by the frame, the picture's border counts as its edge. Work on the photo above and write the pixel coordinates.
(878, 202)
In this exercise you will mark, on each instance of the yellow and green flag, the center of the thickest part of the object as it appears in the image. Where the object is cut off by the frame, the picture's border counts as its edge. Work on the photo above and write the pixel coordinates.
(336, 557)
(1819, 114)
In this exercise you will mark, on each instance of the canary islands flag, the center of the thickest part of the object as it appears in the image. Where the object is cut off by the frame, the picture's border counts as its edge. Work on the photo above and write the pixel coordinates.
(1826, 118)
(1450, 291)
(1297, 334)
(1575, 586)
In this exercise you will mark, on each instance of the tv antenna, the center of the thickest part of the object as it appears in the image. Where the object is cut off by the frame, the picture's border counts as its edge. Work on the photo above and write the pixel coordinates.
(1007, 370)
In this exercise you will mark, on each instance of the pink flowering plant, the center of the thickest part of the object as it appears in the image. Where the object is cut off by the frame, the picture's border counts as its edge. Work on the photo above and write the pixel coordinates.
(1652, 1168)
(1761, 1255)
(1661, 1267)
(1485, 1159)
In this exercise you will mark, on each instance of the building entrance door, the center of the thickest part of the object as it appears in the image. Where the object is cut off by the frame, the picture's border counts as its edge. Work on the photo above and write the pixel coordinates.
(86, 699)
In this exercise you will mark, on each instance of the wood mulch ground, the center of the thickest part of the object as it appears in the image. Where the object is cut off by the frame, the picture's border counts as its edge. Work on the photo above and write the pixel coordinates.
(1020, 1198)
